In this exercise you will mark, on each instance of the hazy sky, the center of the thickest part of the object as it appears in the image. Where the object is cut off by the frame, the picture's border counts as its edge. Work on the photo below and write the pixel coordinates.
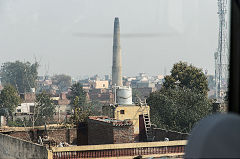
(74, 36)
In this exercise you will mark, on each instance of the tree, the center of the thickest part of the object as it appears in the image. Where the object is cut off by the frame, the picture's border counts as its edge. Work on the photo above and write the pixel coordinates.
(182, 101)
(22, 75)
(62, 81)
(44, 109)
(77, 91)
(9, 100)
(178, 108)
(81, 108)
(80, 112)
(184, 75)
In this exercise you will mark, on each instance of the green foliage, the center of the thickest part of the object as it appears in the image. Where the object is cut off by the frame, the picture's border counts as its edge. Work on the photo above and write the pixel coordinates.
(184, 75)
(81, 112)
(178, 108)
(22, 75)
(17, 123)
(4, 112)
(44, 109)
(82, 108)
(183, 99)
(9, 99)
(96, 108)
(62, 81)
(77, 91)
(80, 115)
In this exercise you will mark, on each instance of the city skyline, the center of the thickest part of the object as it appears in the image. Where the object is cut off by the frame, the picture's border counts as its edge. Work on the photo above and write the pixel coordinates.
(75, 38)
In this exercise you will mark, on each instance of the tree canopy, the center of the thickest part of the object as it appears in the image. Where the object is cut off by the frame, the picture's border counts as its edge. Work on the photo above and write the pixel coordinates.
(182, 101)
(189, 76)
(80, 112)
(44, 109)
(77, 91)
(62, 81)
(22, 75)
(178, 108)
(9, 99)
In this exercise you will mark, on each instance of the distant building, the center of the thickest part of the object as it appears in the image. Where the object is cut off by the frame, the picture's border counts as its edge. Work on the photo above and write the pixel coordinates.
(27, 105)
(158, 86)
(107, 77)
(143, 93)
(25, 108)
(134, 113)
(160, 77)
(101, 95)
(28, 97)
(63, 106)
(99, 84)
(95, 78)
(145, 84)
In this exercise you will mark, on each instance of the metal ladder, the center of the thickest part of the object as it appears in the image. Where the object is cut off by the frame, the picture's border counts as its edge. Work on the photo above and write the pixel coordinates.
(147, 124)
(147, 121)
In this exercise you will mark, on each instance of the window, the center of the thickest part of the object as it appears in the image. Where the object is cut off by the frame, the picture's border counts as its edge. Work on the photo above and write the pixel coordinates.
(31, 109)
(122, 112)
(19, 110)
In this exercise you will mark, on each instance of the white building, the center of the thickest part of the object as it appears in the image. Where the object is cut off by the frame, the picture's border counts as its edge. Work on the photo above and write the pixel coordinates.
(25, 108)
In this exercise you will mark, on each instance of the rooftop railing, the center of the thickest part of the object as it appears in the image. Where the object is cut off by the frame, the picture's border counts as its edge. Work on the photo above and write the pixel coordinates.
(127, 150)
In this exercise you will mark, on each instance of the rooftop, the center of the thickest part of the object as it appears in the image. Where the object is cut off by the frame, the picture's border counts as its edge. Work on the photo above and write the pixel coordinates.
(115, 122)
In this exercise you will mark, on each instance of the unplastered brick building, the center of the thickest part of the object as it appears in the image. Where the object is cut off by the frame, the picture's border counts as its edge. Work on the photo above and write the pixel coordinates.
(105, 130)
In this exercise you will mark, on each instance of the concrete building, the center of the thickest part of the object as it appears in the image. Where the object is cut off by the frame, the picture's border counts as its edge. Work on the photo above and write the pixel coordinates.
(134, 113)
(99, 84)
(25, 108)
(63, 107)
(117, 59)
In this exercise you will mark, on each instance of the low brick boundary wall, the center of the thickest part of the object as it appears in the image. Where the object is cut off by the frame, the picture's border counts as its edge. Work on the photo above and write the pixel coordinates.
(160, 134)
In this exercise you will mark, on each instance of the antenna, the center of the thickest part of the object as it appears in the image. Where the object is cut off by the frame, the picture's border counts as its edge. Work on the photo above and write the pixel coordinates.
(222, 54)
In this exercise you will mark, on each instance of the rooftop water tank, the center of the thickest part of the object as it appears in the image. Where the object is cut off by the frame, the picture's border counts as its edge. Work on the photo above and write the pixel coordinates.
(124, 95)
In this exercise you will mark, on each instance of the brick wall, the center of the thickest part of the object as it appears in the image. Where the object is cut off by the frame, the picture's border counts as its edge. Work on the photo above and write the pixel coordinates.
(24, 135)
(123, 134)
(100, 132)
(73, 136)
(63, 135)
(161, 134)
(58, 135)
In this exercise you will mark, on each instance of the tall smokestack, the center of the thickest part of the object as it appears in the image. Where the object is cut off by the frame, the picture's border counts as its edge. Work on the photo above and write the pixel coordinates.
(117, 59)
